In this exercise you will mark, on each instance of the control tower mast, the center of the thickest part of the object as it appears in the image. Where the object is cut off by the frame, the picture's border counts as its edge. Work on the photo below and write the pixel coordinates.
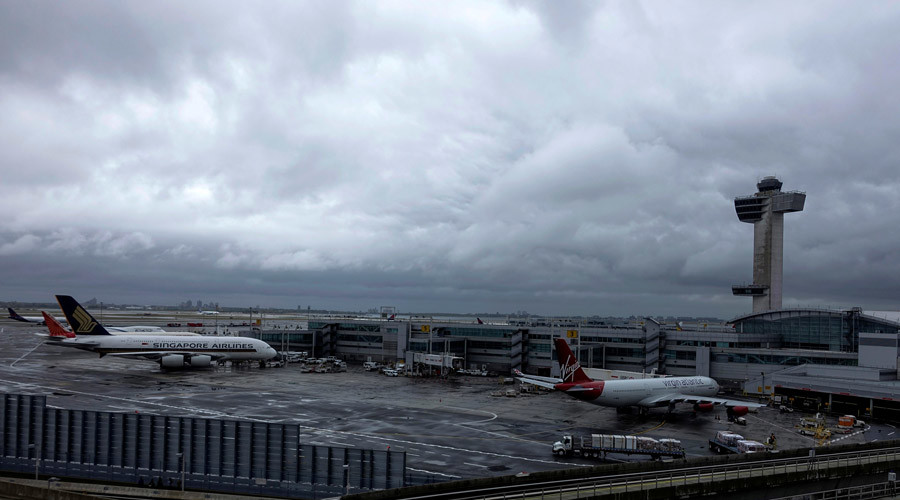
(765, 210)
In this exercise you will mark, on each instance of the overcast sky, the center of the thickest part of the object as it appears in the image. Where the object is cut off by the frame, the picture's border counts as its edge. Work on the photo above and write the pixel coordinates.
(556, 157)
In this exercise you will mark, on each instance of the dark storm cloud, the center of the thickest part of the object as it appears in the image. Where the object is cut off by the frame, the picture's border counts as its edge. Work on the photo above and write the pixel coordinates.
(563, 158)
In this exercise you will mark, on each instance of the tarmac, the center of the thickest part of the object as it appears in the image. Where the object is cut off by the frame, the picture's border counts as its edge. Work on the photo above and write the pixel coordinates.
(449, 428)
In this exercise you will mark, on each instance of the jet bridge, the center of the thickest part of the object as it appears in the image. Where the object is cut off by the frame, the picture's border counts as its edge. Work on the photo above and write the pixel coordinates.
(446, 362)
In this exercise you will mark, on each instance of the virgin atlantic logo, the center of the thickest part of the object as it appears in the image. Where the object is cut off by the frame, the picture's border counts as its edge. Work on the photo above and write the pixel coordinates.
(568, 370)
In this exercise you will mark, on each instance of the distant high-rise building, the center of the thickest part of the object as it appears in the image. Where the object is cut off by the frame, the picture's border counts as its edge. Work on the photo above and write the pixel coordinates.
(765, 210)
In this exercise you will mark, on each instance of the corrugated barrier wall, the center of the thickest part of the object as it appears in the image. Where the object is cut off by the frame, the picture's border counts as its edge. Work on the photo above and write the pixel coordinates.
(230, 456)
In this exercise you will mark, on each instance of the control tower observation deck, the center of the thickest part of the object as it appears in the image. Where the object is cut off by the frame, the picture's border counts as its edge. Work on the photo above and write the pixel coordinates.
(765, 210)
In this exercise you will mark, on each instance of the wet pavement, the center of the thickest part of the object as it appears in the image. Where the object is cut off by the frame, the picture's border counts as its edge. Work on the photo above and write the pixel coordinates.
(450, 429)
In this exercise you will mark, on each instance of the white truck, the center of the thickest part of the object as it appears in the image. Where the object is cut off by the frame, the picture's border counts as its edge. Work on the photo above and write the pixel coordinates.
(847, 423)
(599, 445)
(750, 446)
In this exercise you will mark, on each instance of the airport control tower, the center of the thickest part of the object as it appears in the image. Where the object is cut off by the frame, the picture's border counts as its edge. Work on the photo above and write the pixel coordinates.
(765, 210)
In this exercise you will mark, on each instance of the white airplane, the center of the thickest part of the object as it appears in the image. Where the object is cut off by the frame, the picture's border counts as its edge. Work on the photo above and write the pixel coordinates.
(208, 313)
(29, 319)
(170, 351)
(643, 393)
(144, 329)
(52, 323)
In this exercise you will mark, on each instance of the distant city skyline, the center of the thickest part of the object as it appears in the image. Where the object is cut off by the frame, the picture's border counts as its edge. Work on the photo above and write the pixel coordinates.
(576, 158)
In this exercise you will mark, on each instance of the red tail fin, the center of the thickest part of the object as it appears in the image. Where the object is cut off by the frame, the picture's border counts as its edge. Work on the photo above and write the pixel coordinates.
(570, 370)
(56, 329)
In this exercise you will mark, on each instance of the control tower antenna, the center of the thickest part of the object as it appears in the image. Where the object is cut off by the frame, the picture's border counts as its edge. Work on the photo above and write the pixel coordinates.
(765, 210)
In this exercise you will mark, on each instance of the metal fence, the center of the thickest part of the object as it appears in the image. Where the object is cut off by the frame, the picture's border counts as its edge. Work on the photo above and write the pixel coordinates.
(207, 454)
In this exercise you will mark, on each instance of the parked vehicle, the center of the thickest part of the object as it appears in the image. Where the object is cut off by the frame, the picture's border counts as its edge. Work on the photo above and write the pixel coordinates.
(598, 445)
(371, 366)
(725, 442)
(847, 423)
(749, 446)
(390, 372)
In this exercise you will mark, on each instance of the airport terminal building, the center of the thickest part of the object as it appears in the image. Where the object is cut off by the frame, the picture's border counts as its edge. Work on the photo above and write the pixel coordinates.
(755, 354)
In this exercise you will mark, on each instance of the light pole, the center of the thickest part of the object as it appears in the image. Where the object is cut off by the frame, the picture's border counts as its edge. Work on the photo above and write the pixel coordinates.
(37, 459)
(347, 475)
(181, 456)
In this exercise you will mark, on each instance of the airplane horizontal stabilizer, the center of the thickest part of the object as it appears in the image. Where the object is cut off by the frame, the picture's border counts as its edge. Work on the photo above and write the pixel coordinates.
(549, 383)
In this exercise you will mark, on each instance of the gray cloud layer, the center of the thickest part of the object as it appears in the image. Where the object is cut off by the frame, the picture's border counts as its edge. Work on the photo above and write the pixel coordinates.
(563, 158)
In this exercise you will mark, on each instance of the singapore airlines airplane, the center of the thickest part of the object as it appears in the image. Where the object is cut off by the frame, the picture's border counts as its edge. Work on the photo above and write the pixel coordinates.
(29, 319)
(170, 351)
(643, 393)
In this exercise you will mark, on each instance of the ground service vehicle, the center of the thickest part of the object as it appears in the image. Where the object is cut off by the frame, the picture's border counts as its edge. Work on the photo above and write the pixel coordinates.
(725, 442)
(750, 446)
(598, 445)
(847, 423)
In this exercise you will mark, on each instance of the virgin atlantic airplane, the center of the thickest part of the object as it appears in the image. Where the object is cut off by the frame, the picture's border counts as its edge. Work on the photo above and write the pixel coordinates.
(641, 393)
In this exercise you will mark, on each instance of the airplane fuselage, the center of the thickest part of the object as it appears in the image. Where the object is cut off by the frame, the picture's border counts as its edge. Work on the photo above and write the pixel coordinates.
(622, 393)
(230, 348)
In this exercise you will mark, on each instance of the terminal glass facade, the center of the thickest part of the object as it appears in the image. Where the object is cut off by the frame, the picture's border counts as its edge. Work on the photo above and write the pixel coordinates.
(819, 332)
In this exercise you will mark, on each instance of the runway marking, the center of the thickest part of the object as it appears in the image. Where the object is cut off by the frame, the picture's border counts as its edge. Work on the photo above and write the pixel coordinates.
(431, 472)
(850, 435)
(27, 353)
(492, 414)
(475, 465)
(502, 436)
(651, 429)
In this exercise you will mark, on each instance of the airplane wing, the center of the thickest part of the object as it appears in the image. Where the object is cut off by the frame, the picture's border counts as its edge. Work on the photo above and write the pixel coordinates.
(65, 342)
(671, 398)
(548, 382)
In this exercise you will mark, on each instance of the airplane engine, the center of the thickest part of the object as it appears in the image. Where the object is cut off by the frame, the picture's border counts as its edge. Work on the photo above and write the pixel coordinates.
(704, 407)
(172, 361)
(200, 361)
(738, 411)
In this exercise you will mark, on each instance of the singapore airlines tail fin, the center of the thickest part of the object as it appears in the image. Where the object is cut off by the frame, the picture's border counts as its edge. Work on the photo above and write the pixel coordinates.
(57, 331)
(79, 319)
(569, 369)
